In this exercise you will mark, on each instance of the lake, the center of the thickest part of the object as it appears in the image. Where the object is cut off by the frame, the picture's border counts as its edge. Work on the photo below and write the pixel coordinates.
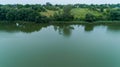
(59, 45)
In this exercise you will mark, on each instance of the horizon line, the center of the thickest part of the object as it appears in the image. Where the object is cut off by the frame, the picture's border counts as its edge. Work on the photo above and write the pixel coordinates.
(57, 3)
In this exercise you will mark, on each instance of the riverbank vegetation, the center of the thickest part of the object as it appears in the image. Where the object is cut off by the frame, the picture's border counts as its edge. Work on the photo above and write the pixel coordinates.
(48, 12)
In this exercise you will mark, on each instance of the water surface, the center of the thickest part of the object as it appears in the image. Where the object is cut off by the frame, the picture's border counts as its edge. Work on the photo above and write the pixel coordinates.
(59, 45)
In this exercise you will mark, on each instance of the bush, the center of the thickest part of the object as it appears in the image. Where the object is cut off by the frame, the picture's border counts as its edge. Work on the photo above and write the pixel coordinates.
(90, 17)
(41, 19)
(115, 15)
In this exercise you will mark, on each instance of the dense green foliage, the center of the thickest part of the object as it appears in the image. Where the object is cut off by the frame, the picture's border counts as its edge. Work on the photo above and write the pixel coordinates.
(65, 15)
(115, 15)
(49, 12)
(90, 17)
(22, 13)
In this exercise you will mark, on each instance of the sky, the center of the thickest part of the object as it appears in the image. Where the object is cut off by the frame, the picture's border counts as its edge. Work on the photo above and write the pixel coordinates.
(59, 1)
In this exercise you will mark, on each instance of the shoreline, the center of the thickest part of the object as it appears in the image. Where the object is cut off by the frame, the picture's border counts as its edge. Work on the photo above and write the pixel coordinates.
(84, 22)
(64, 22)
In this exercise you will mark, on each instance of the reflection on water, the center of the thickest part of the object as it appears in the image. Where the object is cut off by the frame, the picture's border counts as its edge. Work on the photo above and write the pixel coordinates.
(89, 27)
(115, 27)
(63, 29)
(23, 27)
(59, 45)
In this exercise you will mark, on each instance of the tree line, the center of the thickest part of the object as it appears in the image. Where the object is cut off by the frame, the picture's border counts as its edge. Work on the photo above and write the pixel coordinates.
(22, 13)
(18, 12)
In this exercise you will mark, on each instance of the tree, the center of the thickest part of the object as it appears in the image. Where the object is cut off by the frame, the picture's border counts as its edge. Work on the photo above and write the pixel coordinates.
(11, 15)
(3, 12)
(38, 8)
(65, 15)
(41, 19)
(49, 6)
(26, 14)
(90, 17)
(115, 15)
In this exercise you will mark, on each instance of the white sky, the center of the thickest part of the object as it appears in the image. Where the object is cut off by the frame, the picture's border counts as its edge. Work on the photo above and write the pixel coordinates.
(58, 1)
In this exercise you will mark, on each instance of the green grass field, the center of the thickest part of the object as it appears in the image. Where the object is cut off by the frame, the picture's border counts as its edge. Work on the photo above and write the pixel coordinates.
(76, 12)
(48, 13)
(81, 12)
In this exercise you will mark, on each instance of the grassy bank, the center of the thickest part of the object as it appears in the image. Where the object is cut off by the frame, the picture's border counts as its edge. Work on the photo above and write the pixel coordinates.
(83, 22)
(66, 22)
(78, 13)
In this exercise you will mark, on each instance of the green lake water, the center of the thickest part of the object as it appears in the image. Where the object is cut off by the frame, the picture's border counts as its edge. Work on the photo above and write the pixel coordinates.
(59, 45)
